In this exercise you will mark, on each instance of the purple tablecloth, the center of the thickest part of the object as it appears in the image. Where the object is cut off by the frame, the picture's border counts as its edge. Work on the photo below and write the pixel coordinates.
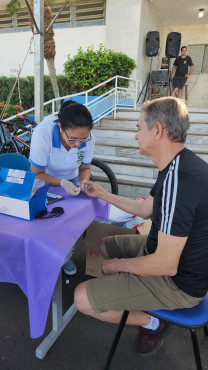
(32, 252)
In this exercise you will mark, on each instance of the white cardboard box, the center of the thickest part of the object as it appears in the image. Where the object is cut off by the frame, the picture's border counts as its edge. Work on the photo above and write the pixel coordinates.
(95, 232)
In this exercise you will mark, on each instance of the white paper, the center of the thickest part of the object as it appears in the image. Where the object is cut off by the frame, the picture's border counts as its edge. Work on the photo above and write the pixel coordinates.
(117, 215)
(16, 176)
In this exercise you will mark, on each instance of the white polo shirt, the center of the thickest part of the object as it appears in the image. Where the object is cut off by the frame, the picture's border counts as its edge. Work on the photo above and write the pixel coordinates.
(47, 152)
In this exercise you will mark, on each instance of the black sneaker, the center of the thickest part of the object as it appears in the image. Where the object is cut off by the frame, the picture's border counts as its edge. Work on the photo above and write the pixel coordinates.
(149, 341)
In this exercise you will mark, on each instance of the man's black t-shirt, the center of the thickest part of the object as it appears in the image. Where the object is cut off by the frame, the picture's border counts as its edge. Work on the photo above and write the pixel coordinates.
(182, 65)
(180, 208)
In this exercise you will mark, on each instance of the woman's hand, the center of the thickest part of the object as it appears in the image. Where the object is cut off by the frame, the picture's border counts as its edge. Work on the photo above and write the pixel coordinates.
(93, 190)
(70, 188)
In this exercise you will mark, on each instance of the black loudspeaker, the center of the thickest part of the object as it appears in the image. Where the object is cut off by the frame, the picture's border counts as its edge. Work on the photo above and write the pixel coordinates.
(173, 44)
(152, 43)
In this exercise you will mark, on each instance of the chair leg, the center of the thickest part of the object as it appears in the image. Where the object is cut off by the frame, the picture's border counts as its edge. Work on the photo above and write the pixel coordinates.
(205, 331)
(116, 339)
(196, 349)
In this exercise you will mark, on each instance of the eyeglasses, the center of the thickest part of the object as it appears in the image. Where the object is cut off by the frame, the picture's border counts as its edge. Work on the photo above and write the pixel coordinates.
(73, 141)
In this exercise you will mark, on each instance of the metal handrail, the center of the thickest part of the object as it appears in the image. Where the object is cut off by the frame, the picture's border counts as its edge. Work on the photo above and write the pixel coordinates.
(102, 105)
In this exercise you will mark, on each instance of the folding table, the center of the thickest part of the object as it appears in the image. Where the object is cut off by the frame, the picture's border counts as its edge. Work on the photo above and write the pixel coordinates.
(33, 252)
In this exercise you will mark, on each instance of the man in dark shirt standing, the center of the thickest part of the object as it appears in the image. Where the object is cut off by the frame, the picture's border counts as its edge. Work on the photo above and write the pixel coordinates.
(181, 67)
(168, 268)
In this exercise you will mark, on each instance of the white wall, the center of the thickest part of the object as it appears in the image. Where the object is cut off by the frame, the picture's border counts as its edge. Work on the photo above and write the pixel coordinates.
(121, 33)
(16, 44)
(69, 40)
(197, 83)
(14, 47)
(197, 34)
(122, 26)
(149, 22)
(127, 24)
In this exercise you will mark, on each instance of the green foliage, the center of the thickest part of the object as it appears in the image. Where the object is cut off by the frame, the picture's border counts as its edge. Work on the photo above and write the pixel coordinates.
(50, 2)
(13, 6)
(82, 72)
(11, 110)
(91, 67)
(27, 90)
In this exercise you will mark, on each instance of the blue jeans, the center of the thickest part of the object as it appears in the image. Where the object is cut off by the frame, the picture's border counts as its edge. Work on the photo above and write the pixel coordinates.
(75, 181)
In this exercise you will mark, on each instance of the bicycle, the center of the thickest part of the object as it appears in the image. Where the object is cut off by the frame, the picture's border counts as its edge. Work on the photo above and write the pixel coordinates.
(16, 139)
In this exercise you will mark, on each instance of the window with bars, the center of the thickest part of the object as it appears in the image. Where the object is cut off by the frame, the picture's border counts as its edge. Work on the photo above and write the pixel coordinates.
(5, 20)
(75, 14)
(64, 16)
(86, 11)
(199, 56)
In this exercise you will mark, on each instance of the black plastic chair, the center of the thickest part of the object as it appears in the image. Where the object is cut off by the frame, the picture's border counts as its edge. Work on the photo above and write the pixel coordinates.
(189, 318)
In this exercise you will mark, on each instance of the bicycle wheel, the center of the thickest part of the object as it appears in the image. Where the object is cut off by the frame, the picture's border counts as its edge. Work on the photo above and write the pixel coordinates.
(10, 147)
(101, 172)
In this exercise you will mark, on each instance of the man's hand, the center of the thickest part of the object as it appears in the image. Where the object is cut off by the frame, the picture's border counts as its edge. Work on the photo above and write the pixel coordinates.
(93, 190)
(187, 75)
(110, 267)
(70, 188)
(82, 184)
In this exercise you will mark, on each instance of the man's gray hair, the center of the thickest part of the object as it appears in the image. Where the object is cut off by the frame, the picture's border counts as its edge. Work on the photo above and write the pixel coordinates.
(171, 113)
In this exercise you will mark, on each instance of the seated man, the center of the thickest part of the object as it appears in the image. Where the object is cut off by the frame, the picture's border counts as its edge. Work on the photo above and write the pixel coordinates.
(168, 268)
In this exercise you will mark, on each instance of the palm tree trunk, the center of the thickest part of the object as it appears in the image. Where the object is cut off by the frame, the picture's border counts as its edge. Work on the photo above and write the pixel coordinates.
(49, 44)
(53, 77)
(50, 49)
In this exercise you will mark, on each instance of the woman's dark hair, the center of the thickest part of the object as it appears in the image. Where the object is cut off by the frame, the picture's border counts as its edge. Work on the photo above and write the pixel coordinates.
(74, 115)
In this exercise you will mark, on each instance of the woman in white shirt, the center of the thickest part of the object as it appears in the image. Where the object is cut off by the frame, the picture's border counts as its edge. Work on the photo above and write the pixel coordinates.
(62, 149)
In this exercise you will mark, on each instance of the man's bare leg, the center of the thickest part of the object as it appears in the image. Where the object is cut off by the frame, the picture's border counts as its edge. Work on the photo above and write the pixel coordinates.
(83, 305)
(102, 249)
(180, 93)
(174, 91)
(145, 344)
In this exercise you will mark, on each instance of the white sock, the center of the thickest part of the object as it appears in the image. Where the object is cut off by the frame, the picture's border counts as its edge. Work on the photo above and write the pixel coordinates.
(153, 324)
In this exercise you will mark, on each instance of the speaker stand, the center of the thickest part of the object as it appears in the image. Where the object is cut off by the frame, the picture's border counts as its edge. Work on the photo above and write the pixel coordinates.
(148, 85)
(170, 82)
(143, 88)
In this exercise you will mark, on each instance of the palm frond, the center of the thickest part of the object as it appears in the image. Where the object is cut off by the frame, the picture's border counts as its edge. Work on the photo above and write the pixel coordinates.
(13, 6)
(50, 2)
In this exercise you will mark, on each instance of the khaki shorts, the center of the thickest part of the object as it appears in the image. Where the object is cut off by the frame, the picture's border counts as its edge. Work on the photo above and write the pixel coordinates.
(125, 291)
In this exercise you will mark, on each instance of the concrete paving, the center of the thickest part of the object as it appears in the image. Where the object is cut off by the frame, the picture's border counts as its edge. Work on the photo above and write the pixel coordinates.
(85, 342)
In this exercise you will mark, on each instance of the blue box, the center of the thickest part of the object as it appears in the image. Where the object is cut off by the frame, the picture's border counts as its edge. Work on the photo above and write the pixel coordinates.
(16, 198)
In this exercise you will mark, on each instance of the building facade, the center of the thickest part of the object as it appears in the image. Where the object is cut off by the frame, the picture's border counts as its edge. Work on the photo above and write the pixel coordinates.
(118, 24)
